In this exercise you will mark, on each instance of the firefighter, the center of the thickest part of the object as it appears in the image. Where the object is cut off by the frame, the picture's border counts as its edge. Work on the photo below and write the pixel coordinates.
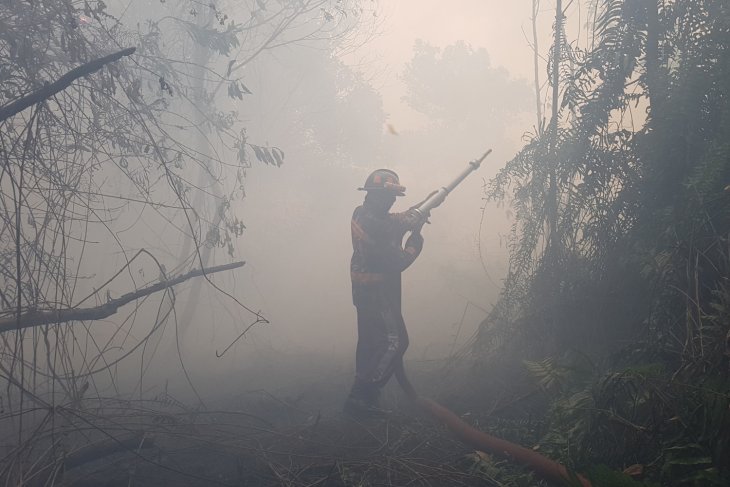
(378, 259)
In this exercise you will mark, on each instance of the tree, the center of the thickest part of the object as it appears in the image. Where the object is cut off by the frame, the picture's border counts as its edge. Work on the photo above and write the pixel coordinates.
(639, 242)
(459, 86)
(87, 171)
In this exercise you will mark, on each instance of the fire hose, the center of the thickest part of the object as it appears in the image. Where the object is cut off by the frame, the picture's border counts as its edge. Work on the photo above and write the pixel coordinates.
(538, 463)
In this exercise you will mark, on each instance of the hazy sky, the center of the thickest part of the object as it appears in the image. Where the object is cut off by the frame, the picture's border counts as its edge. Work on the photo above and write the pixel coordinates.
(494, 25)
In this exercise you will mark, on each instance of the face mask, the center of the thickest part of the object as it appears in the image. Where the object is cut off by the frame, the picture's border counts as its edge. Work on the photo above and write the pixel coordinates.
(379, 202)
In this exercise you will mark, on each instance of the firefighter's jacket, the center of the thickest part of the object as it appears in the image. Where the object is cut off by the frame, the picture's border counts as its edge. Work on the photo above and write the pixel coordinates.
(379, 257)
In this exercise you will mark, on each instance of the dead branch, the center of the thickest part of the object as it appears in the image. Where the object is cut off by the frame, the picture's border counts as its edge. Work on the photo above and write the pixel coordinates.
(60, 84)
(46, 317)
(95, 451)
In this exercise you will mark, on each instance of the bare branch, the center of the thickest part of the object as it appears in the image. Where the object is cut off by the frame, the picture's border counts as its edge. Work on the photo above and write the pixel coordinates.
(61, 83)
(38, 318)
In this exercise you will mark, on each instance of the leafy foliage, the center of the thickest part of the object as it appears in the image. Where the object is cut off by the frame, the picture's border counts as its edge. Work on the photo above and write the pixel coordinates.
(636, 275)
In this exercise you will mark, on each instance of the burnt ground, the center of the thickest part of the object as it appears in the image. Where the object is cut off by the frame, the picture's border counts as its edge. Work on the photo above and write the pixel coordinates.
(292, 434)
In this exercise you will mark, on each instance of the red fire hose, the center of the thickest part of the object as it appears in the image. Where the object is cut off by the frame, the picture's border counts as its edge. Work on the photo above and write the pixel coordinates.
(538, 463)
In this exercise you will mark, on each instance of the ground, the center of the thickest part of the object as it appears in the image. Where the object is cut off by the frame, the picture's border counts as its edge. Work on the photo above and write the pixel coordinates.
(290, 434)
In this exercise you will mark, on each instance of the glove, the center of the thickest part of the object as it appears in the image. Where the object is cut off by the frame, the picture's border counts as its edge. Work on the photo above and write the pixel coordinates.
(414, 220)
(415, 242)
(424, 200)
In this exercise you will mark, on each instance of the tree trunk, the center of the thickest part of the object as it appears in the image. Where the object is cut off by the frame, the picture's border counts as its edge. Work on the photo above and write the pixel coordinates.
(536, 59)
(652, 51)
(552, 200)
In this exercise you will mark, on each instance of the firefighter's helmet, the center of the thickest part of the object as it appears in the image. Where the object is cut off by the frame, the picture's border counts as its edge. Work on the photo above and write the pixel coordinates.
(384, 180)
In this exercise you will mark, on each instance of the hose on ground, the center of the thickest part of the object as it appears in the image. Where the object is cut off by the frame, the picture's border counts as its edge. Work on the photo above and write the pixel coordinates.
(538, 463)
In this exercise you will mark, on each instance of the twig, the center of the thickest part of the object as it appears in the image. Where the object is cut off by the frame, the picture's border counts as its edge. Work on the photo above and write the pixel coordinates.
(259, 319)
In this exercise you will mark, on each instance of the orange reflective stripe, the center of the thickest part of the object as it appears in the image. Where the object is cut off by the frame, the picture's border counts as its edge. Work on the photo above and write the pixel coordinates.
(366, 277)
(358, 232)
(394, 187)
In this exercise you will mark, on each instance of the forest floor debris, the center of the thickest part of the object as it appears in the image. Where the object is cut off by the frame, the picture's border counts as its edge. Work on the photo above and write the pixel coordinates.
(234, 448)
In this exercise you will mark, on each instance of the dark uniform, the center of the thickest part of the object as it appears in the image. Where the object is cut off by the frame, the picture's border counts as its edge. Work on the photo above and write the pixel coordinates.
(378, 259)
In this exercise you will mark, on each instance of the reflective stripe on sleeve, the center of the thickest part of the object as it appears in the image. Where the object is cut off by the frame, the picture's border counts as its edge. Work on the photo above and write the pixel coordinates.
(358, 232)
(366, 277)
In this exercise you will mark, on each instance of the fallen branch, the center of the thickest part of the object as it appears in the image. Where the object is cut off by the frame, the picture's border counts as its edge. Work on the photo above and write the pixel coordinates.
(51, 474)
(47, 317)
(60, 84)
(95, 451)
